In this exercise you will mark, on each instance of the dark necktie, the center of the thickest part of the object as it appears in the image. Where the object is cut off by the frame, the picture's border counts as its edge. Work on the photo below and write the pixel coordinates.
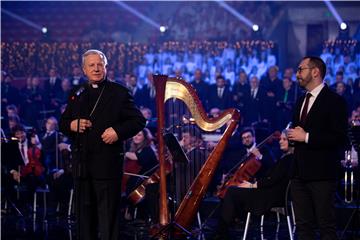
(305, 110)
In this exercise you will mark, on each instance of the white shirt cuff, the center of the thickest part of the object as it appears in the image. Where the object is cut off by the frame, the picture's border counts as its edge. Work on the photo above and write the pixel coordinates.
(307, 138)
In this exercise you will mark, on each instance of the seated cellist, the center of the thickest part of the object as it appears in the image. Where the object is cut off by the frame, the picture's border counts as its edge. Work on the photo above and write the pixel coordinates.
(142, 152)
(264, 154)
(26, 169)
(258, 196)
(140, 159)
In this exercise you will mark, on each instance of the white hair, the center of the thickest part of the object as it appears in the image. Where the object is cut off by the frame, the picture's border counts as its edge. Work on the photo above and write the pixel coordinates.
(94, 51)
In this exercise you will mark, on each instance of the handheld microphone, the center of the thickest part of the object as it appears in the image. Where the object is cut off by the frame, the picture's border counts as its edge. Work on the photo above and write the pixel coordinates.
(80, 91)
(288, 126)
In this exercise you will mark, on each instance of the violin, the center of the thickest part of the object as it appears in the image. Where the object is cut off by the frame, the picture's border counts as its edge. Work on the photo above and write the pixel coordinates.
(34, 165)
(246, 169)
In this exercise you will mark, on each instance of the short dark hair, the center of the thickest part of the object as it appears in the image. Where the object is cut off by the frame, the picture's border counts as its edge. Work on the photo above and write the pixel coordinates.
(19, 128)
(339, 73)
(220, 77)
(318, 63)
(246, 130)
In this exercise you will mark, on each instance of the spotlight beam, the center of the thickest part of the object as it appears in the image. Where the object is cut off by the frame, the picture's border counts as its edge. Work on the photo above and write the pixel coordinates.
(21, 19)
(235, 13)
(138, 14)
(333, 11)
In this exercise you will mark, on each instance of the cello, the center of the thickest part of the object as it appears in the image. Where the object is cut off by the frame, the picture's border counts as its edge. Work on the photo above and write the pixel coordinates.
(245, 169)
(138, 194)
(173, 152)
(130, 167)
(34, 165)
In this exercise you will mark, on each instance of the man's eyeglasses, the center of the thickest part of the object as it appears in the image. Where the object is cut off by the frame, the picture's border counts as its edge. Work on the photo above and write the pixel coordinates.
(299, 69)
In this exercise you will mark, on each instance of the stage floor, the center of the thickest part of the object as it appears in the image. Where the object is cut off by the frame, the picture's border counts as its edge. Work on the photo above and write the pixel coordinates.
(54, 227)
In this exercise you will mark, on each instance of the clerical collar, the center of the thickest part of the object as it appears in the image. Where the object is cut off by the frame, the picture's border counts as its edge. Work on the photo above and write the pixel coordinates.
(97, 84)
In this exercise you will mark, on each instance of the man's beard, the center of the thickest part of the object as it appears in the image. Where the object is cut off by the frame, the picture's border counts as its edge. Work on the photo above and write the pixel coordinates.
(250, 145)
(304, 81)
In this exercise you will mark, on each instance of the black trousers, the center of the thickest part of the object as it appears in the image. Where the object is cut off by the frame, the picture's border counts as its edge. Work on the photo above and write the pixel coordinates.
(98, 208)
(233, 204)
(314, 204)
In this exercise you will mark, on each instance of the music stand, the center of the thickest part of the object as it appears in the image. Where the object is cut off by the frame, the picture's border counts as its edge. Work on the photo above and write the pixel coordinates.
(175, 149)
(354, 137)
(178, 156)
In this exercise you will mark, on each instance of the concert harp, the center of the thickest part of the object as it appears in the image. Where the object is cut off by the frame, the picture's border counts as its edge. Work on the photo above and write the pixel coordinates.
(176, 88)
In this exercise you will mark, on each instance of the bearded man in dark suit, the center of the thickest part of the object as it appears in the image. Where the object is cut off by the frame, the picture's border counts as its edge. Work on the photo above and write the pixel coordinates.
(320, 121)
(99, 116)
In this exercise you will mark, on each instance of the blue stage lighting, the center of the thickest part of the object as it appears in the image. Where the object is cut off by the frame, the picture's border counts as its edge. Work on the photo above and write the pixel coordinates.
(162, 29)
(343, 26)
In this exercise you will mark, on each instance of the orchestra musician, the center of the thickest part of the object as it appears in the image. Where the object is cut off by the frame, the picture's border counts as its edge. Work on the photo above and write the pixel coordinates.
(60, 179)
(264, 155)
(140, 160)
(185, 173)
(192, 144)
(49, 141)
(143, 152)
(258, 196)
(23, 163)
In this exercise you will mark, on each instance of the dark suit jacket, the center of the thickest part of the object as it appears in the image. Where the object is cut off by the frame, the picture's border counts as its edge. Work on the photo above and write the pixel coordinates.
(269, 105)
(138, 97)
(11, 157)
(216, 102)
(240, 94)
(147, 100)
(116, 109)
(326, 124)
(254, 107)
(52, 90)
(201, 90)
(285, 107)
(48, 150)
